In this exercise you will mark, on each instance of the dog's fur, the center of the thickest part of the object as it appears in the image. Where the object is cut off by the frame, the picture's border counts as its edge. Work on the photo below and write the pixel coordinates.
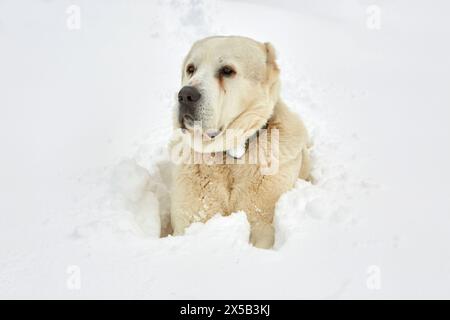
(246, 101)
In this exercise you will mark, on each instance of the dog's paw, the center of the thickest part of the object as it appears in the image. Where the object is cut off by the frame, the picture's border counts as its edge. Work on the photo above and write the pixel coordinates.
(262, 235)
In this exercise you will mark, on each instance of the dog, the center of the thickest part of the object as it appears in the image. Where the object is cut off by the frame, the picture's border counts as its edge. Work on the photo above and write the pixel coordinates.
(229, 100)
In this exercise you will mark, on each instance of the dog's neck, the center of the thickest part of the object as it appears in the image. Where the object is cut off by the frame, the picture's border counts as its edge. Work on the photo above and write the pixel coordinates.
(239, 151)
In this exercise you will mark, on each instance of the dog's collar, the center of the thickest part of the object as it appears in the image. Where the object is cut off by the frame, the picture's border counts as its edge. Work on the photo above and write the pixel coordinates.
(239, 151)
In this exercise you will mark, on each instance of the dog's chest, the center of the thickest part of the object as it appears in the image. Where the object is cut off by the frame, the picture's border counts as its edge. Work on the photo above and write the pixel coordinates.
(224, 184)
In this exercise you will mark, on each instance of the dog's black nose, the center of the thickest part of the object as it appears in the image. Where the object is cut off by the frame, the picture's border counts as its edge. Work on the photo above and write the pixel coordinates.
(188, 96)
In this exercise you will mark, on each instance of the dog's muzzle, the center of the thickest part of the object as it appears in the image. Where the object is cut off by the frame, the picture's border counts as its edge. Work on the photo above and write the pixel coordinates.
(188, 99)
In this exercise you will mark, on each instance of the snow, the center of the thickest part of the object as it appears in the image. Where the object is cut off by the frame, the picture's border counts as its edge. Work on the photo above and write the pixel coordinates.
(85, 173)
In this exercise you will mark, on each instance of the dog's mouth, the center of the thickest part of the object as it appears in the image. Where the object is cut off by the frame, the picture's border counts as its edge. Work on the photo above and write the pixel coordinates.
(212, 133)
(188, 125)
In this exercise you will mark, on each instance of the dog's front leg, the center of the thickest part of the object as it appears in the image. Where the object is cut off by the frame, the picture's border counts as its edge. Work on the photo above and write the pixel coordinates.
(258, 195)
(262, 235)
(198, 193)
(257, 199)
(184, 199)
(185, 206)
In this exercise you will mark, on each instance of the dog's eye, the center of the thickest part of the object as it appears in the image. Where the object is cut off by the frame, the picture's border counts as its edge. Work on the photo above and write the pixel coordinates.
(226, 71)
(190, 69)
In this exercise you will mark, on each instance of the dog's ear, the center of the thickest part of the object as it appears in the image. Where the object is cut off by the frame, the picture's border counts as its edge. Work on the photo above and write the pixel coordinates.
(272, 75)
(270, 52)
(271, 55)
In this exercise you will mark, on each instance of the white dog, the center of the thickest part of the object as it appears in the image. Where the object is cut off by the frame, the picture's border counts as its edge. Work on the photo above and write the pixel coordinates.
(229, 106)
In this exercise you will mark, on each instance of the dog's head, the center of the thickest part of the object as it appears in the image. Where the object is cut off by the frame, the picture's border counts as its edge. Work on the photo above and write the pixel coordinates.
(227, 83)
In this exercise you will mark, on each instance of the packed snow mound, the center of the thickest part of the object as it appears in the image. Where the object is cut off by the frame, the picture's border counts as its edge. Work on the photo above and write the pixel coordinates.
(131, 185)
(230, 231)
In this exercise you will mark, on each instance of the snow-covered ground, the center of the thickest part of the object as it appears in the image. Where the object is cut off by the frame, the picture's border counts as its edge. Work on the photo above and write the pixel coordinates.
(86, 117)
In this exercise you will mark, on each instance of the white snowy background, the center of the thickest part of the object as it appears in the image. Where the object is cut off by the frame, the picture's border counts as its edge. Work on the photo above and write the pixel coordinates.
(85, 117)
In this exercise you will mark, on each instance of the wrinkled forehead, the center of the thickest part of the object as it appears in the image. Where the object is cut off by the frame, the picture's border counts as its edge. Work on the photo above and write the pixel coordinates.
(245, 54)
